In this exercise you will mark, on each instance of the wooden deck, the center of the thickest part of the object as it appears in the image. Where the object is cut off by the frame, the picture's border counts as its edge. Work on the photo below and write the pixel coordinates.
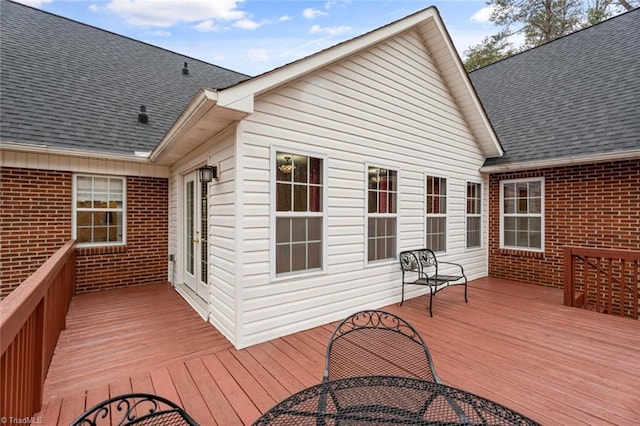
(512, 343)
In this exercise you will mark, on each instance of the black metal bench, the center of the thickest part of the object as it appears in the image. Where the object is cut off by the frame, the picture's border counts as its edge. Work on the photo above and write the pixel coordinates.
(420, 267)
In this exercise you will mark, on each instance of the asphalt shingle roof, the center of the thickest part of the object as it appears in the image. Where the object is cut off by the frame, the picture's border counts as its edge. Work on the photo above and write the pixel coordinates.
(69, 85)
(578, 95)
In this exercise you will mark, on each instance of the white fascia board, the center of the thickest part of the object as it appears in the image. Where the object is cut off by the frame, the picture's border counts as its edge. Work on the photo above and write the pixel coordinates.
(70, 152)
(561, 162)
(481, 126)
(199, 105)
(282, 75)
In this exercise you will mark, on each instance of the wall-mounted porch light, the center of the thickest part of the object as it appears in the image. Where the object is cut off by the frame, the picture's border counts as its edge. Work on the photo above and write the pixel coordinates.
(208, 173)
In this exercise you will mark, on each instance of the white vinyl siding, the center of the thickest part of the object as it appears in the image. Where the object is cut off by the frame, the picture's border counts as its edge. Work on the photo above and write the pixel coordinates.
(387, 105)
(221, 234)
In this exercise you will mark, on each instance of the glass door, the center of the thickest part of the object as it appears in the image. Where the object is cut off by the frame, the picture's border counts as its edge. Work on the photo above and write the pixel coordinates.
(195, 233)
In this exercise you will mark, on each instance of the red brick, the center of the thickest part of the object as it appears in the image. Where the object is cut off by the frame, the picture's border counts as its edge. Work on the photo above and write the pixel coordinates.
(595, 205)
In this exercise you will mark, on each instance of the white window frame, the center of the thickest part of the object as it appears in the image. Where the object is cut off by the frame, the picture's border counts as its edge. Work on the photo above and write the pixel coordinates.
(74, 207)
(540, 215)
(274, 214)
(473, 215)
(445, 215)
(368, 215)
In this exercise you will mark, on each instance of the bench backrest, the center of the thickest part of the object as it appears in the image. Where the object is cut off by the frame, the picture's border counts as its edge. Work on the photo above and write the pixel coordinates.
(420, 261)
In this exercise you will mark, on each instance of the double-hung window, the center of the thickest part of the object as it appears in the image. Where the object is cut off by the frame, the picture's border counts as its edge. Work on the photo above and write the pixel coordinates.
(522, 214)
(474, 215)
(436, 213)
(382, 213)
(99, 210)
(299, 217)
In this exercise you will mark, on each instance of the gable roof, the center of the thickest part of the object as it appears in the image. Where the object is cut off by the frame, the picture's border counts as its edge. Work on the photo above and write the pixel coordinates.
(572, 100)
(212, 110)
(70, 86)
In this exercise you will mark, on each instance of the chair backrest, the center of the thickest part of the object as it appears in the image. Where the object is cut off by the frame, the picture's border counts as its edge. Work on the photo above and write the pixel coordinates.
(409, 261)
(426, 257)
(377, 343)
(135, 409)
(422, 261)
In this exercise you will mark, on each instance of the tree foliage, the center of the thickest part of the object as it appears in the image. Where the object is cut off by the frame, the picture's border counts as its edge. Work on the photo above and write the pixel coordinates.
(536, 22)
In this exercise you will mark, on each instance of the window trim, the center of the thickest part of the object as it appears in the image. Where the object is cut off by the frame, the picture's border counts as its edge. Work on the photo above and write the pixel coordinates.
(480, 215)
(446, 215)
(541, 214)
(274, 214)
(74, 210)
(367, 215)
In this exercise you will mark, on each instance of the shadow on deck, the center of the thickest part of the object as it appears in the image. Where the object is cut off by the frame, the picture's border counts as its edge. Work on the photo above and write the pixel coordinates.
(512, 343)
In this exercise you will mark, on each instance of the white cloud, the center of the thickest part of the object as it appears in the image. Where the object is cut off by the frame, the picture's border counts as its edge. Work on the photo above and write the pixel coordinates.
(310, 13)
(285, 18)
(332, 31)
(160, 33)
(258, 55)
(208, 26)
(247, 24)
(34, 3)
(165, 13)
(482, 16)
(330, 4)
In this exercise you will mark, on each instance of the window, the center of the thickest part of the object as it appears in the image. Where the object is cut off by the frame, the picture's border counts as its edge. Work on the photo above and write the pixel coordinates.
(522, 206)
(99, 210)
(299, 213)
(436, 213)
(382, 214)
(474, 215)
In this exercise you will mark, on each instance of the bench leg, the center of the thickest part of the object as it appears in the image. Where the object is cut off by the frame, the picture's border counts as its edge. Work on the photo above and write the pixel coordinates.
(465, 290)
(402, 300)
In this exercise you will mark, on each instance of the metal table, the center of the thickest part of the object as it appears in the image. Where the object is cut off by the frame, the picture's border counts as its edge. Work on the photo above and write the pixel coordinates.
(378, 400)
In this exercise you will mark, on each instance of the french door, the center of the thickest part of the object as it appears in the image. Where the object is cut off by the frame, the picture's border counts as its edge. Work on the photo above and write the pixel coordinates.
(195, 234)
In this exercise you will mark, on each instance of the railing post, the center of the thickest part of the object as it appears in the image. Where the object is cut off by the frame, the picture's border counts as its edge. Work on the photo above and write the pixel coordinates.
(569, 292)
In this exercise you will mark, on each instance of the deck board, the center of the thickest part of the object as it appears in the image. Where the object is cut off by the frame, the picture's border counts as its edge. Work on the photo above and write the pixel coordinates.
(512, 343)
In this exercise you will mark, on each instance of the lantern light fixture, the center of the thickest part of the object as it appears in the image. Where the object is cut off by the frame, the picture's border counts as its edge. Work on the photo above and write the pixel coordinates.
(208, 173)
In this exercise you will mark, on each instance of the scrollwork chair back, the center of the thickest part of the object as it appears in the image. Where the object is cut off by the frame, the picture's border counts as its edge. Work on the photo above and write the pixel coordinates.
(376, 342)
(135, 409)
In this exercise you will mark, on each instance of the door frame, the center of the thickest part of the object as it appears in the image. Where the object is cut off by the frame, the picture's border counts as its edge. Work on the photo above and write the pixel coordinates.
(200, 302)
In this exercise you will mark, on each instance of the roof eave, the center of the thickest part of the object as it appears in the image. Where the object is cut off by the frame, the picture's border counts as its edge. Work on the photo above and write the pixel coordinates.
(208, 113)
(461, 87)
(138, 157)
(563, 161)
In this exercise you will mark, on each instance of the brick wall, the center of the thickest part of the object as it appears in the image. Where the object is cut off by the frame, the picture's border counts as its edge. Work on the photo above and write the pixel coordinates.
(144, 258)
(595, 205)
(36, 221)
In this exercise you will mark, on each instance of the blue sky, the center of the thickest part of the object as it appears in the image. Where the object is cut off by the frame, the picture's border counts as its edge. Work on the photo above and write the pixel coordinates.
(254, 36)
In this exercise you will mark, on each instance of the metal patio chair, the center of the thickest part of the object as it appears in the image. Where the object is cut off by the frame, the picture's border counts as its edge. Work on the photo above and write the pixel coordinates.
(135, 409)
(377, 343)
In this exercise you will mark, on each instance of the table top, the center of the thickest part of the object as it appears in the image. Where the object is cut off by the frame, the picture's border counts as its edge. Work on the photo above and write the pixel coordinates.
(377, 400)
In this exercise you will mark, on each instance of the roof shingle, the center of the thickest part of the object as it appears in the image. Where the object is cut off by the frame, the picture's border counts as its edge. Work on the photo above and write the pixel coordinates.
(70, 85)
(576, 96)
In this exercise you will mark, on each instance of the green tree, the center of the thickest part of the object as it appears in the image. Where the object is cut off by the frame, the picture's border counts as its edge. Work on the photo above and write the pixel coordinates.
(538, 22)
(492, 49)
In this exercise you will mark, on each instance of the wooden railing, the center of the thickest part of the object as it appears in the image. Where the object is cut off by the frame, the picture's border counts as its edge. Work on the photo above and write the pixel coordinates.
(604, 280)
(31, 319)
